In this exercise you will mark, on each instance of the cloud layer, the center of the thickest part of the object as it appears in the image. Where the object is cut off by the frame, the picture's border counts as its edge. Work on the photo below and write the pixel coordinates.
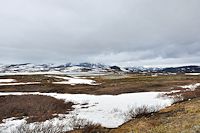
(131, 32)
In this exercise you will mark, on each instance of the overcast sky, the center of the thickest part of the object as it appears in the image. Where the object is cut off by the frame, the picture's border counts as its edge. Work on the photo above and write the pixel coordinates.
(121, 32)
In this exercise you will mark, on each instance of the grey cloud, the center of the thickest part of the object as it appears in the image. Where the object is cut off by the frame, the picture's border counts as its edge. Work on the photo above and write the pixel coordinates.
(131, 32)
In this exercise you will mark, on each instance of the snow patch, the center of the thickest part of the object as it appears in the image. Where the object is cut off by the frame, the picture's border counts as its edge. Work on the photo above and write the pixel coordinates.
(74, 80)
(107, 110)
(27, 83)
(191, 87)
(7, 80)
(192, 74)
(31, 73)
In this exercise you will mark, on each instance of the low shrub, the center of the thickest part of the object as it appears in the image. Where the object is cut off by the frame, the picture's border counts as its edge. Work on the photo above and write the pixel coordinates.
(35, 107)
(140, 111)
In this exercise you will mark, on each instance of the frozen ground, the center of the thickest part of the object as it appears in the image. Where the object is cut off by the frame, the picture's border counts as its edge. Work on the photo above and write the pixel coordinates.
(107, 110)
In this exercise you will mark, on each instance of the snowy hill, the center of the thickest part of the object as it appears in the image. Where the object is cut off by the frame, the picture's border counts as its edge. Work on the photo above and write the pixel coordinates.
(91, 68)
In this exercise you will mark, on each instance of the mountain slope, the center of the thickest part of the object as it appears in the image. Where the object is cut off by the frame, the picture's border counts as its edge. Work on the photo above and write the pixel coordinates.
(91, 67)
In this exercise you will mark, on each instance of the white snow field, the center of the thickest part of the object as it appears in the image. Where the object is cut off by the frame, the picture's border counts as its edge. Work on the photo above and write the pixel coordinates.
(20, 83)
(74, 80)
(68, 80)
(7, 80)
(31, 73)
(107, 110)
(192, 74)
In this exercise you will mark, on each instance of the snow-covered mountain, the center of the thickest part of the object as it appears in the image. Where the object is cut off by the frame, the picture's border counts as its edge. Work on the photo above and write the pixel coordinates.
(90, 67)
(68, 67)
(143, 69)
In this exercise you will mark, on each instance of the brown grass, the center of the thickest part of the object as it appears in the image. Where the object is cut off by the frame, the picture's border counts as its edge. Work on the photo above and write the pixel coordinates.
(36, 107)
(111, 84)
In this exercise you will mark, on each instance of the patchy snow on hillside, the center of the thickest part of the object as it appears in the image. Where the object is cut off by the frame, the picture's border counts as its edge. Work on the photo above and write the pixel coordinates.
(107, 110)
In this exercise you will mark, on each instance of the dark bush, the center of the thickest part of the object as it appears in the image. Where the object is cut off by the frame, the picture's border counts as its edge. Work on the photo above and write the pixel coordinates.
(36, 107)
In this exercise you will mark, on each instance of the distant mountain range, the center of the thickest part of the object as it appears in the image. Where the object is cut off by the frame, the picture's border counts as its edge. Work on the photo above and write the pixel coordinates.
(91, 67)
